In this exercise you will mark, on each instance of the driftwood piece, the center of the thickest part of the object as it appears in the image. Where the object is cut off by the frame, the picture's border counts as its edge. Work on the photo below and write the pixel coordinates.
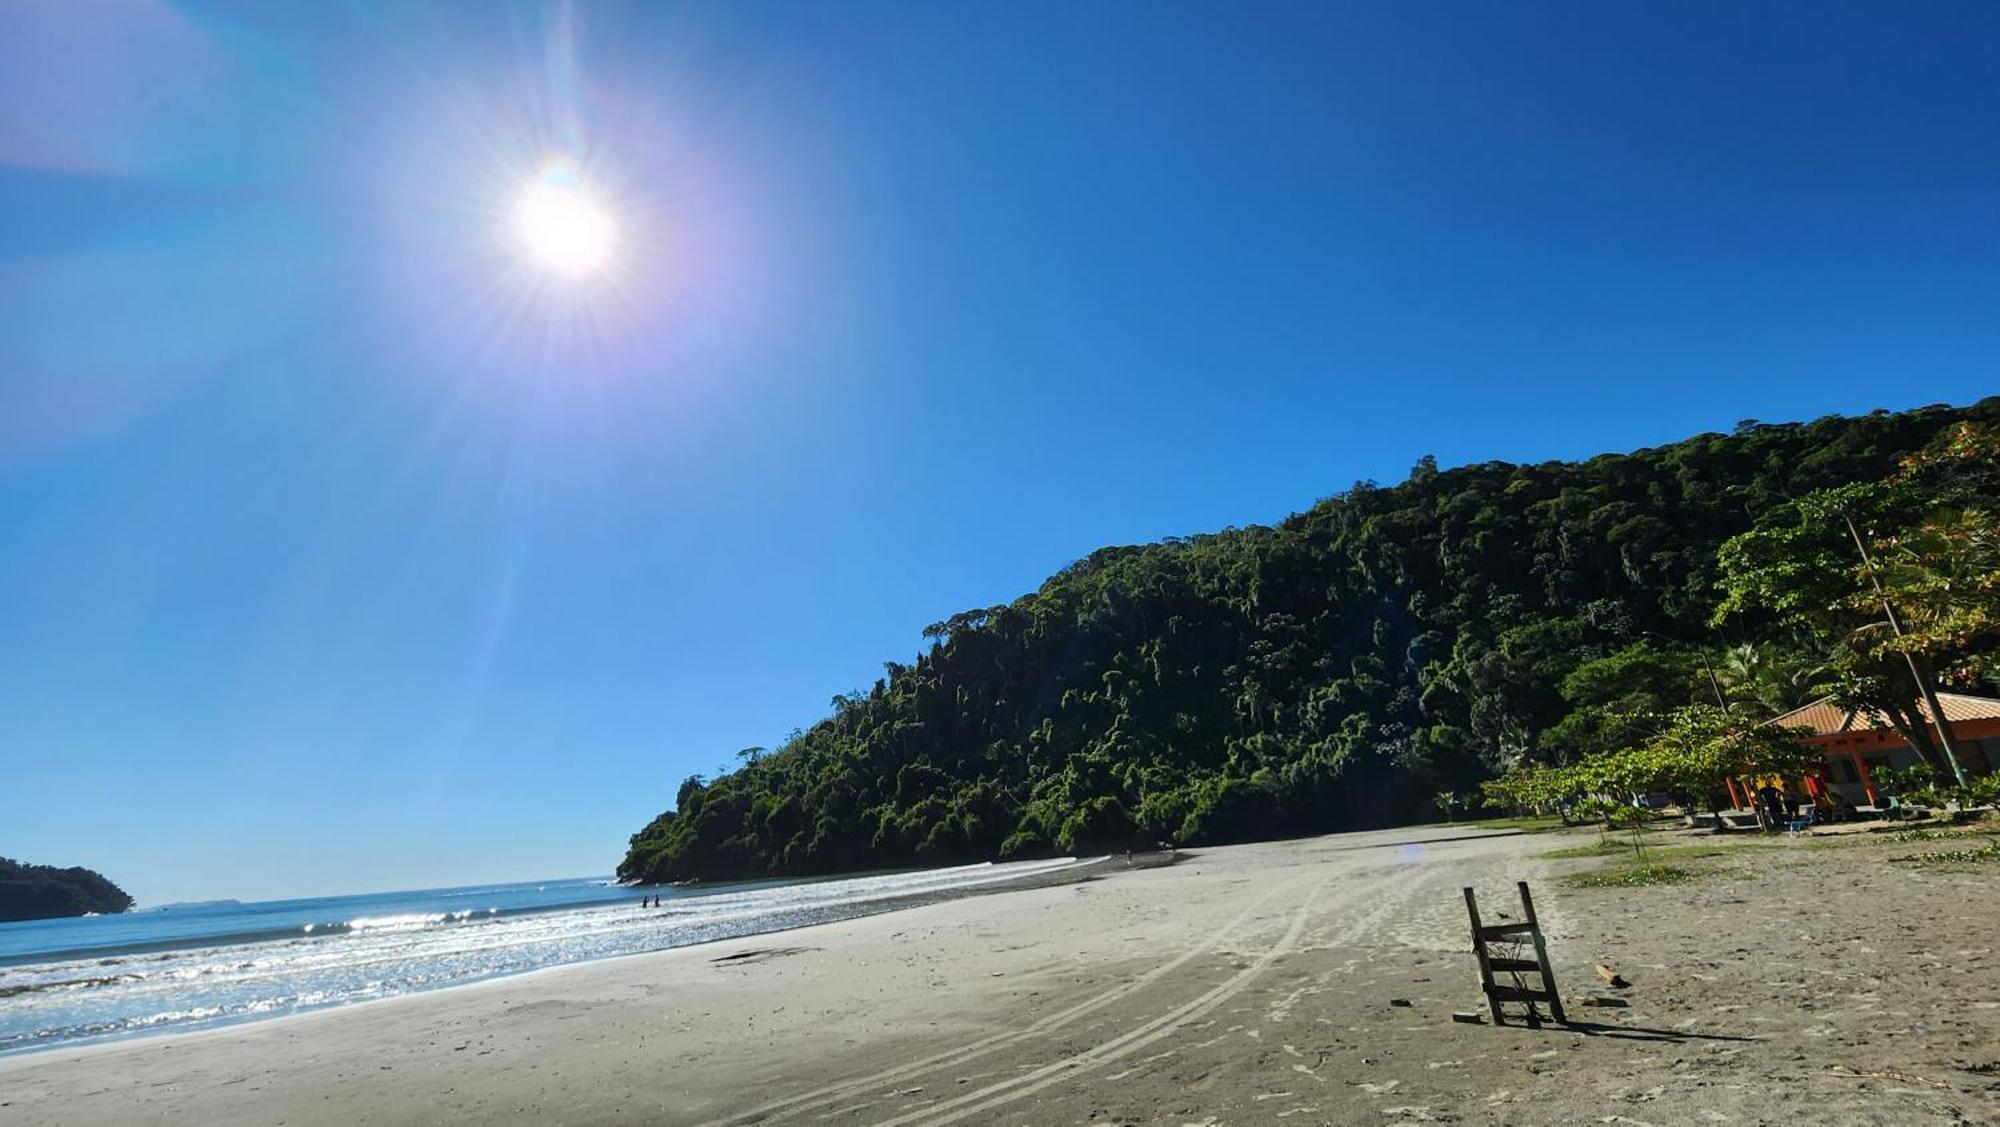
(1896, 1074)
(1611, 977)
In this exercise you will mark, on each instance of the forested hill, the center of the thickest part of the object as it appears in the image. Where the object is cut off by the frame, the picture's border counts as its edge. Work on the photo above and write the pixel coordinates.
(37, 892)
(1338, 669)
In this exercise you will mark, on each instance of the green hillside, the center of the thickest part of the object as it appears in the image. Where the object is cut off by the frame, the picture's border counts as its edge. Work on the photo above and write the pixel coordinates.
(1337, 669)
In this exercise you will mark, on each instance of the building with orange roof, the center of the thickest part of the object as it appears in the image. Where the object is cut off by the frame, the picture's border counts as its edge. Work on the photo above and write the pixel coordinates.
(1855, 744)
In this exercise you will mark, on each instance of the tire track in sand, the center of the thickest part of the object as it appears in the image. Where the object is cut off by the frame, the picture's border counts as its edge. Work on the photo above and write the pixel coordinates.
(847, 1089)
(1007, 1091)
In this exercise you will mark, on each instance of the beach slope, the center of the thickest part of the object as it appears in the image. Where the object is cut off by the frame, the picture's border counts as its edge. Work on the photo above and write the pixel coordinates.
(1297, 982)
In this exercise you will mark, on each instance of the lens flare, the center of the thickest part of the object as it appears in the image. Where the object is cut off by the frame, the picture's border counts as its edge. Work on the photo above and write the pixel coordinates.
(562, 227)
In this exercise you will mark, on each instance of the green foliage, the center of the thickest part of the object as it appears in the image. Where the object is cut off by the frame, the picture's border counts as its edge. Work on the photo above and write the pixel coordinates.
(1339, 669)
(1981, 790)
(1701, 746)
(1942, 569)
(38, 892)
(1918, 785)
(1633, 876)
(1606, 846)
(1598, 808)
(1450, 802)
(1694, 749)
(1933, 535)
(1767, 679)
(1616, 699)
(1911, 784)
(1944, 858)
(1101, 823)
(1533, 788)
(1927, 834)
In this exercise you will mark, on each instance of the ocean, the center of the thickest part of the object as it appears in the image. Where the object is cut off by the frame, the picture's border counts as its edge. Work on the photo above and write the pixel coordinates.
(182, 967)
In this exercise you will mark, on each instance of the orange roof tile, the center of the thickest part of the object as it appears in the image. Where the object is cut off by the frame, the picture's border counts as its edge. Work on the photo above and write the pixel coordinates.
(1825, 718)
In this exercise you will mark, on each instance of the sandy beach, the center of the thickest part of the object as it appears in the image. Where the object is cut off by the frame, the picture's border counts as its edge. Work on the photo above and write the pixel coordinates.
(1809, 982)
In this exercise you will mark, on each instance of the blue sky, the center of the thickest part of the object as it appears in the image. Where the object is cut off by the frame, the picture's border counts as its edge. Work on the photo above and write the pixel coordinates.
(339, 550)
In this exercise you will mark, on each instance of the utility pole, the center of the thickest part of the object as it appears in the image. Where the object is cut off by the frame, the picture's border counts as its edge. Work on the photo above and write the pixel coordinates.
(1728, 718)
(1714, 684)
(1916, 671)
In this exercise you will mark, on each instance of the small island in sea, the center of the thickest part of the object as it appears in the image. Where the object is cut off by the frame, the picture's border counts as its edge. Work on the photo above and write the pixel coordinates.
(42, 892)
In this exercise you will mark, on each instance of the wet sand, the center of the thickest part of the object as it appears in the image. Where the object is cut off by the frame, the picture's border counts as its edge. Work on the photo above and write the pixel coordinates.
(1252, 984)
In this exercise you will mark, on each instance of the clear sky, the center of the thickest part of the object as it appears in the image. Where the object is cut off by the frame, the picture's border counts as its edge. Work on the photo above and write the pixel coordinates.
(343, 547)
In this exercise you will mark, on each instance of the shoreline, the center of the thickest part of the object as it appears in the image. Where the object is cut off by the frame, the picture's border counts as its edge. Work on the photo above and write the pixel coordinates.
(1306, 981)
(884, 905)
(414, 1009)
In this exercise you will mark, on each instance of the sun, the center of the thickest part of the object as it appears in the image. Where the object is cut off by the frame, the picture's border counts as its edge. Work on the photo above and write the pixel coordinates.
(562, 227)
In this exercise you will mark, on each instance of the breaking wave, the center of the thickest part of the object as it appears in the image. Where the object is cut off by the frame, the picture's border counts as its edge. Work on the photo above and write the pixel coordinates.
(250, 961)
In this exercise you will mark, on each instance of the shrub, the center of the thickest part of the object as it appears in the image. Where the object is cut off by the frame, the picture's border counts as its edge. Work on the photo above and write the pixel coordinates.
(1022, 845)
(1101, 823)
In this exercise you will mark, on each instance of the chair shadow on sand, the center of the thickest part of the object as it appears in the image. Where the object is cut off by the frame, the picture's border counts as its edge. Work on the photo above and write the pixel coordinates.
(1621, 1032)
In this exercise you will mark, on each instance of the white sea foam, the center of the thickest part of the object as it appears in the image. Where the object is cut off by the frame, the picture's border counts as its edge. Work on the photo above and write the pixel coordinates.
(412, 921)
(372, 956)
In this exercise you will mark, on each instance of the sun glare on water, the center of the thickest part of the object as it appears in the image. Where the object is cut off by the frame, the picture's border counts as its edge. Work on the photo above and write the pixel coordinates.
(562, 227)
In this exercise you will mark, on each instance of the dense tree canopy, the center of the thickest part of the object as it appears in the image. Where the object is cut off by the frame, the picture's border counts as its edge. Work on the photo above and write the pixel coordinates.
(38, 892)
(1924, 599)
(1338, 669)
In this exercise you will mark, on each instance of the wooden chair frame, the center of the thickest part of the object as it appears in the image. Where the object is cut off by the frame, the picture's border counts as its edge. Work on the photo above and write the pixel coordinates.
(1511, 963)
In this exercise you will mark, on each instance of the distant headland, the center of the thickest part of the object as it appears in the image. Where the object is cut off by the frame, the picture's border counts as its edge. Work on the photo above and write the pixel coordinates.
(42, 892)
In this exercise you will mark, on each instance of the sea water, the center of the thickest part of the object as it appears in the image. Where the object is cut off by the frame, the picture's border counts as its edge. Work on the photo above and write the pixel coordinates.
(189, 966)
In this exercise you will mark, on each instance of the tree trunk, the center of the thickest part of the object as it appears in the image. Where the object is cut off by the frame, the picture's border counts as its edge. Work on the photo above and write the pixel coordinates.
(1909, 723)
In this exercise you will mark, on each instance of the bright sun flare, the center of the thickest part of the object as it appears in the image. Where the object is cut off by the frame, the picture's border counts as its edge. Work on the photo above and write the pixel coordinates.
(562, 227)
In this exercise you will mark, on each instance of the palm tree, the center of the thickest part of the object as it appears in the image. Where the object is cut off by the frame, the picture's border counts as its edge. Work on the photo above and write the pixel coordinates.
(1448, 801)
(1769, 680)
